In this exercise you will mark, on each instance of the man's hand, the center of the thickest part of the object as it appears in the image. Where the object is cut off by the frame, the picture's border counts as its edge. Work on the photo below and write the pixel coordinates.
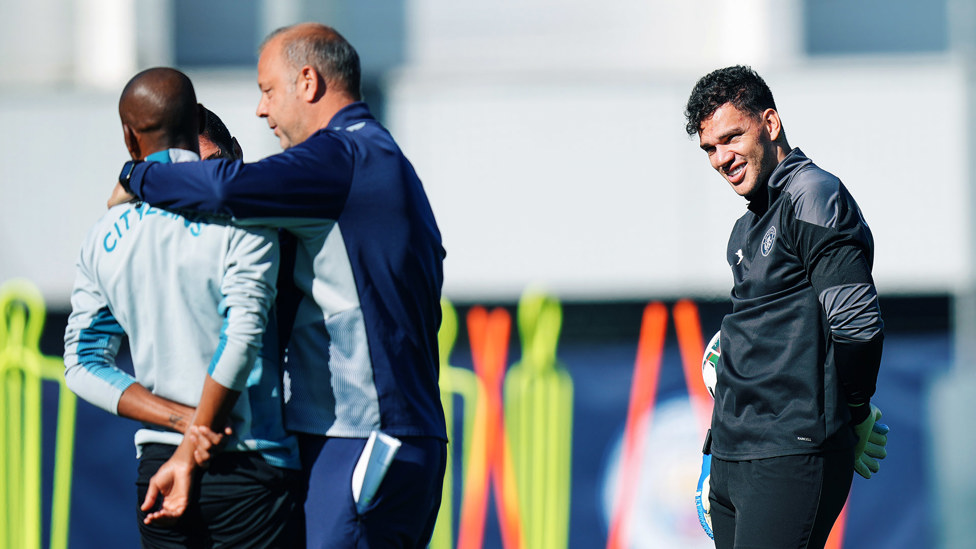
(173, 482)
(701, 496)
(872, 437)
(120, 196)
(206, 443)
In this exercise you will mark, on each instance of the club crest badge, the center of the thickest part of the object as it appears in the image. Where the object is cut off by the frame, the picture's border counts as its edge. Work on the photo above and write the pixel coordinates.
(768, 239)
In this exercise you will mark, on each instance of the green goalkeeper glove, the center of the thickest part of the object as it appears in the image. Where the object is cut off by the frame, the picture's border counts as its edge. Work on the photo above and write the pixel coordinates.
(872, 437)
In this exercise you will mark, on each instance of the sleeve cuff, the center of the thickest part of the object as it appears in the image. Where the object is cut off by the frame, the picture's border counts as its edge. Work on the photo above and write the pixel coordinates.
(859, 412)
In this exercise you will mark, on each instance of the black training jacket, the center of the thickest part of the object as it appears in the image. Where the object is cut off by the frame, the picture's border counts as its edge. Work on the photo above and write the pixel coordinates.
(803, 341)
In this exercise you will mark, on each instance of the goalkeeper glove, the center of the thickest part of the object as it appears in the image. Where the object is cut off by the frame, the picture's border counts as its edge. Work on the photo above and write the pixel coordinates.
(701, 495)
(872, 437)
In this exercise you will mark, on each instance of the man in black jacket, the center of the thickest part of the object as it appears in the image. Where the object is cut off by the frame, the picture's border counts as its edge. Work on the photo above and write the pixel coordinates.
(801, 350)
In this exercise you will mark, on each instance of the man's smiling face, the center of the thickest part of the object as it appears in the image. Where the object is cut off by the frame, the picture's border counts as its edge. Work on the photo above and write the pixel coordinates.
(740, 146)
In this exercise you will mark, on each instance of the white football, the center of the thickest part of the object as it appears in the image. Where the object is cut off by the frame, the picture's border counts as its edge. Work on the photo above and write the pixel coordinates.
(710, 362)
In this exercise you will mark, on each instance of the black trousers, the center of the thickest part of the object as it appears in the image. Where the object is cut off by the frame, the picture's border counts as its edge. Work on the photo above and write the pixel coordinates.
(238, 501)
(778, 503)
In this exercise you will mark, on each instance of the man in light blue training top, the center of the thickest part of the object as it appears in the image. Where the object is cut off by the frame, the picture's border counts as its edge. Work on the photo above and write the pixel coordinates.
(193, 294)
(362, 356)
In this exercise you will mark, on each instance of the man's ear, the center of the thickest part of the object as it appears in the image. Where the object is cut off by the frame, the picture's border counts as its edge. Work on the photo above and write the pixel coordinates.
(311, 83)
(131, 142)
(772, 124)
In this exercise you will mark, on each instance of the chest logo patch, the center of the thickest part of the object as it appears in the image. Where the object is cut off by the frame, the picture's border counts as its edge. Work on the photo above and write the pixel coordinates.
(768, 239)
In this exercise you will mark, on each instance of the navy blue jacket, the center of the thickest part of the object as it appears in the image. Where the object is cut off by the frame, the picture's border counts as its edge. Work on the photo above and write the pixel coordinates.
(369, 265)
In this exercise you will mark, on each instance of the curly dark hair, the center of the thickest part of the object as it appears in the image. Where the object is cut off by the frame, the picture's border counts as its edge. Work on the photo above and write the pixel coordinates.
(215, 130)
(739, 85)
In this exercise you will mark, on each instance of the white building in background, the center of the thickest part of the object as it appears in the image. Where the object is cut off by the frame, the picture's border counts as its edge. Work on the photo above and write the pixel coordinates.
(552, 139)
(549, 134)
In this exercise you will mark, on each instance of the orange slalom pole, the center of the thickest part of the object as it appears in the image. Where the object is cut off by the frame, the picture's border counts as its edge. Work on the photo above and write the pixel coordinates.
(489, 335)
(836, 538)
(643, 392)
(500, 459)
(687, 325)
(475, 500)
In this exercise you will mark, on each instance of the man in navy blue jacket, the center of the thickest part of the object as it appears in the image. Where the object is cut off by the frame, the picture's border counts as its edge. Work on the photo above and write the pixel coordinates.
(361, 355)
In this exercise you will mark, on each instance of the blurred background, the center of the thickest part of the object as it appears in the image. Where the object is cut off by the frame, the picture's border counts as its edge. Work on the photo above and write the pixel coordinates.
(550, 139)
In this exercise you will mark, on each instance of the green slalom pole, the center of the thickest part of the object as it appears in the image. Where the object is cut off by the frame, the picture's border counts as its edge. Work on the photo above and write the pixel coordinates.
(22, 369)
(539, 416)
(21, 440)
(466, 385)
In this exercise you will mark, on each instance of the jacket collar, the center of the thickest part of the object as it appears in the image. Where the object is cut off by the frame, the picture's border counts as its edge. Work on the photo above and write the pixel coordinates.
(349, 115)
(779, 180)
(167, 156)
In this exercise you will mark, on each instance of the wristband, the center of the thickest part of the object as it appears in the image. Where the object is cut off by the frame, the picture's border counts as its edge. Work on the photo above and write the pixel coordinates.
(125, 176)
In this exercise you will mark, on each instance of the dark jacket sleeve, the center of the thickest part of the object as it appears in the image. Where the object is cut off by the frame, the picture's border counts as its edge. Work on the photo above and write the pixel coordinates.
(310, 180)
(837, 249)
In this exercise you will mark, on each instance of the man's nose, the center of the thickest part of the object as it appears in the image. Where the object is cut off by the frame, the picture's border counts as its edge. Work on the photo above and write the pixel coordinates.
(723, 156)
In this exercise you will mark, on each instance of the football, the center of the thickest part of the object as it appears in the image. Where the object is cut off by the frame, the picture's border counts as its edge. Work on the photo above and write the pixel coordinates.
(710, 362)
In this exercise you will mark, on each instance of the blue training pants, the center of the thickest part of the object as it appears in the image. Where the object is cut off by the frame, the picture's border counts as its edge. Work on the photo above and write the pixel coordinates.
(401, 515)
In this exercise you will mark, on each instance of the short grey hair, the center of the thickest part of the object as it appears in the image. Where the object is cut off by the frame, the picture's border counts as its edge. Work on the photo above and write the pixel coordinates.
(326, 51)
